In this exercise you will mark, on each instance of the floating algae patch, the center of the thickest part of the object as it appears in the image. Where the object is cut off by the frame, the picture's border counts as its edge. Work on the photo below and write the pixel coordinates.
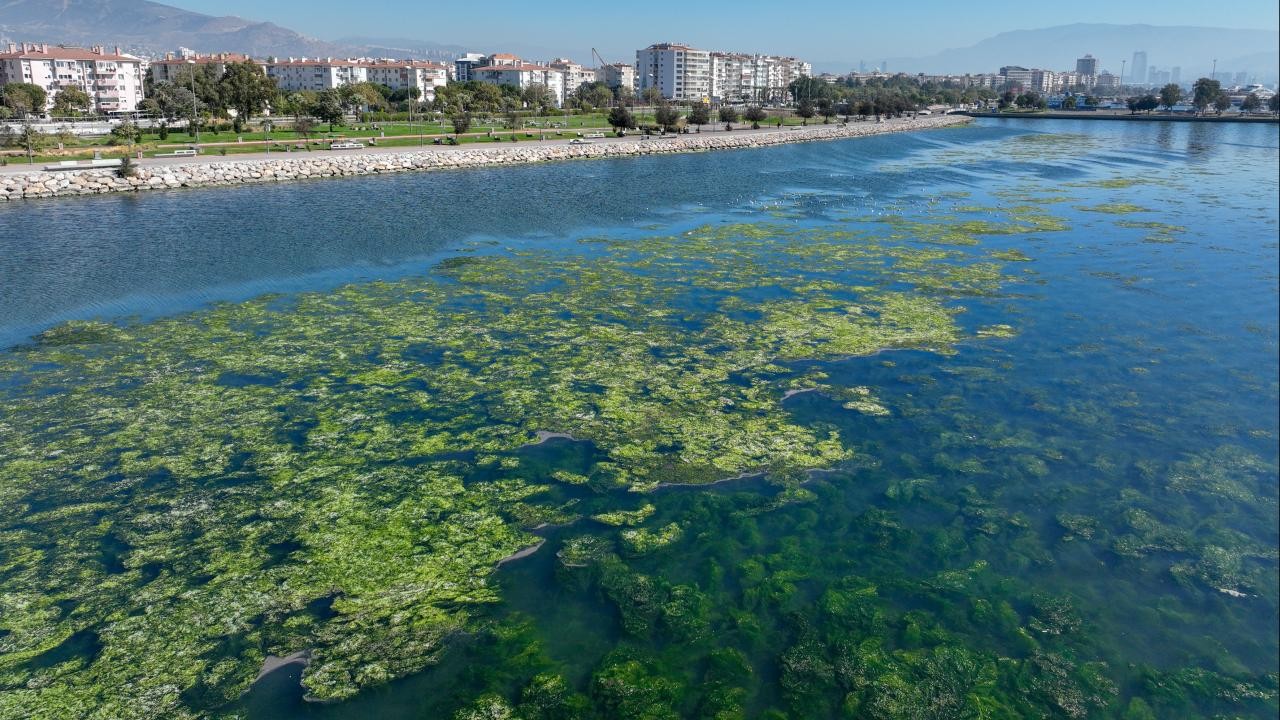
(186, 492)
(1113, 208)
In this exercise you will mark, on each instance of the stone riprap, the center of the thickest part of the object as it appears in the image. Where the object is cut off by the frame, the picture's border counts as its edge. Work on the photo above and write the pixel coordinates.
(41, 184)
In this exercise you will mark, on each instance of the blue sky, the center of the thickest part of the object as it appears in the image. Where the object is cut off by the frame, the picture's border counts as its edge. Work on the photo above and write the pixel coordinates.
(821, 30)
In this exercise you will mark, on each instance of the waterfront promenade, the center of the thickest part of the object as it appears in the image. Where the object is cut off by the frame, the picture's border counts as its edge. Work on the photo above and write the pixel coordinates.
(205, 171)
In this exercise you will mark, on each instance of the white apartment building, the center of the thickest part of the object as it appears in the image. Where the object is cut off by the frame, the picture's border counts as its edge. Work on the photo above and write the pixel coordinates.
(617, 75)
(328, 73)
(740, 77)
(679, 72)
(574, 74)
(1030, 79)
(113, 80)
(521, 75)
(401, 74)
(170, 66)
(463, 65)
(315, 74)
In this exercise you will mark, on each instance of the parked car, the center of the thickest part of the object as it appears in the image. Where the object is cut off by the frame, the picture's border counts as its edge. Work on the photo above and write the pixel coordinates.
(579, 141)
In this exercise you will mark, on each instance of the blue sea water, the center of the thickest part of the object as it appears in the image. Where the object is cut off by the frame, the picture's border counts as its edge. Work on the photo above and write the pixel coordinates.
(1146, 348)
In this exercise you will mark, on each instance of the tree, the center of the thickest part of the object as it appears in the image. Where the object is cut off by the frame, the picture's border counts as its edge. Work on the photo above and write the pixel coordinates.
(1170, 95)
(25, 98)
(1251, 102)
(1221, 102)
(827, 109)
(71, 101)
(247, 89)
(667, 117)
(728, 114)
(1069, 102)
(592, 94)
(1204, 92)
(538, 97)
(126, 132)
(620, 118)
(31, 139)
(304, 126)
(651, 95)
(171, 102)
(207, 88)
(755, 114)
(700, 114)
(328, 108)
(806, 110)
(461, 121)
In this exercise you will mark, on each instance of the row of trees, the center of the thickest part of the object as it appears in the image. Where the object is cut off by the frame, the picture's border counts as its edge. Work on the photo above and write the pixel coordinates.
(1205, 93)
(25, 99)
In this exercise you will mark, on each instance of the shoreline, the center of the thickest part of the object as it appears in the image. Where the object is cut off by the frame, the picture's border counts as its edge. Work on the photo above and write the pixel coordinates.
(1125, 116)
(231, 172)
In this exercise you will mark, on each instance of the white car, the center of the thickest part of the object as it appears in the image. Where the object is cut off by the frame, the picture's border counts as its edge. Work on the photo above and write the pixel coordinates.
(579, 141)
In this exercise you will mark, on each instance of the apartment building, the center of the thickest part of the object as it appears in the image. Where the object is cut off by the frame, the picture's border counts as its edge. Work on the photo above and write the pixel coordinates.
(402, 74)
(679, 72)
(319, 74)
(522, 75)
(316, 74)
(1030, 79)
(574, 74)
(168, 68)
(740, 77)
(617, 75)
(112, 80)
(462, 66)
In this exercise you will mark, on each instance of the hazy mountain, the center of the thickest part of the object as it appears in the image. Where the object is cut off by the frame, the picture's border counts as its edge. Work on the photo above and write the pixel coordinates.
(148, 27)
(1191, 48)
(403, 48)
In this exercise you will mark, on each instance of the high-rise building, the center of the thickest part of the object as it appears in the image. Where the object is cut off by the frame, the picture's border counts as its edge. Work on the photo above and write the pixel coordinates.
(678, 72)
(1138, 71)
(738, 77)
(1175, 74)
(1087, 65)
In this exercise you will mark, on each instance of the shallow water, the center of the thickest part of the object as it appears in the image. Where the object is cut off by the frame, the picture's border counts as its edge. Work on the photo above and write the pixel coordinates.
(1037, 476)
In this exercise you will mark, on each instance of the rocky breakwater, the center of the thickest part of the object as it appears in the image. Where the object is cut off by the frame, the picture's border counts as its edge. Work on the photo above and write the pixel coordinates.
(20, 186)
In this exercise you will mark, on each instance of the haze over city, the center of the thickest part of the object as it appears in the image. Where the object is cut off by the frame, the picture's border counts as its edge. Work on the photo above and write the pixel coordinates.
(827, 30)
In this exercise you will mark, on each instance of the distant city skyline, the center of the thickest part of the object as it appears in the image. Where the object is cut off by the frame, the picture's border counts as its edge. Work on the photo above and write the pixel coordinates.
(902, 30)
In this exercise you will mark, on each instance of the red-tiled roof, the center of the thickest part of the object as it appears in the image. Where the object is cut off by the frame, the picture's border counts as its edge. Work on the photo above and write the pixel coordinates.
(203, 59)
(520, 68)
(60, 53)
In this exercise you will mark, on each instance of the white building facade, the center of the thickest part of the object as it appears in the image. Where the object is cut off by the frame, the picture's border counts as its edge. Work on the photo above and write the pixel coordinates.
(617, 75)
(574, 74)
(113, 80)
(168, 68)
(740, 77)
(679, 72)
(523, 75)
(403, 74)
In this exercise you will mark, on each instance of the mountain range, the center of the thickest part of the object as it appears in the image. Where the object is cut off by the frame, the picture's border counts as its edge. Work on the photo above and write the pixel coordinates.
(150, 28)
(1194, 49)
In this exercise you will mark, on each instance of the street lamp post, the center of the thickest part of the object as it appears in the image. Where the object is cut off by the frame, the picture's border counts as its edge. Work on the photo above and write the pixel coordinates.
(194, 111)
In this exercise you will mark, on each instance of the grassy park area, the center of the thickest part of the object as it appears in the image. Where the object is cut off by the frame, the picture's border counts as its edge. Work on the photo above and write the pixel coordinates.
(281, 137)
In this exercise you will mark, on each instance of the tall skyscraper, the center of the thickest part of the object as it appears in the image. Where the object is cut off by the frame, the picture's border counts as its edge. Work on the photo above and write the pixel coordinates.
(1139, 69)
(1087, 65)
(1175, 74)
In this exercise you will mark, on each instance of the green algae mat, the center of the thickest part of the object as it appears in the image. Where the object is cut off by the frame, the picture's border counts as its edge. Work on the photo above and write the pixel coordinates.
(831, 463)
